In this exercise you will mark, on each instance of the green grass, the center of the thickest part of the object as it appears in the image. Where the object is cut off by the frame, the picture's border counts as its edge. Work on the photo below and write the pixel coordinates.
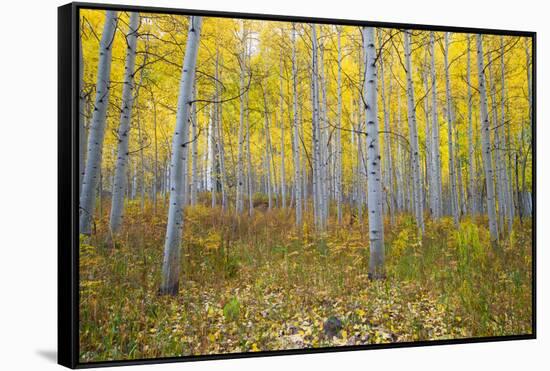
(257, 283)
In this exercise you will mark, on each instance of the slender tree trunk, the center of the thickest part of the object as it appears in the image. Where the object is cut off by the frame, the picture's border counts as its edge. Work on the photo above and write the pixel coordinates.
(267, 154)
(413, 134)
(239, 202)
(194, 150)
(339, 132)
(386, 104)
(399, 169)
(297, 175)
(323, 136)
(316, 176)
(506, 178)
(97, 129)
(486, 143)
(500, 199)
(282, 124)
(249, 165)
(436, 157)
(218, 134)
(119, 188)
(452, 176)
(212, 163)
(82, 134)
(471, 163)
(172, 251)
(374, 182)
(430, 171)
(155, 165)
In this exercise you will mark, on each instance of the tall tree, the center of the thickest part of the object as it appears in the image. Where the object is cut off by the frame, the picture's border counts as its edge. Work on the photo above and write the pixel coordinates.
(436, 155)
(239, 202)
(123, 134)
(374, 181)
(505, 144)
(97, 129)
(296, 136)
(339, 131)
(471, 163)
(452, 170)
(178, 164)
(82, 133)
(315, 132)
(194, 151)
(486, 142)
(413, 134)
(388, 166)
(282, 126)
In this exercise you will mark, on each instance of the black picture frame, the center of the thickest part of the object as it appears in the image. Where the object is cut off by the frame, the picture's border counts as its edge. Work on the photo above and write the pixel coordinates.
(68, 234)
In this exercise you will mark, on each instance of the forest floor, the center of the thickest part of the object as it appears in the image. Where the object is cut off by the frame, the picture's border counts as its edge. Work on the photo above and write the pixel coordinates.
(253, 284)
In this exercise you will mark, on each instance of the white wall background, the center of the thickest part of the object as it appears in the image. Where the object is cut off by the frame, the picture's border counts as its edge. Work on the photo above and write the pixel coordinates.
(28, 202)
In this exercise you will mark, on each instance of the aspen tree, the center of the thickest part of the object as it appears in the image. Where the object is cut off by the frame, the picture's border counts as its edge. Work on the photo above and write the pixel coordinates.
(178, 164)
(486, 142)
(123, 134)
(96, 136)
(374, 181)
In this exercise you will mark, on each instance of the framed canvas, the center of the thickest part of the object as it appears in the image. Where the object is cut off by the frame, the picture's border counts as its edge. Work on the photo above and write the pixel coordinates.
(238, 185)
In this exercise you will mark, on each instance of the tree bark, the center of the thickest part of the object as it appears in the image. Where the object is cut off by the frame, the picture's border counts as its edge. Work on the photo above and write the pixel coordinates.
(486, 143)
(123, 135)
(471, 163)
(282, 125)
(338, 169)
(413, 134)
(97, 130)
(297, 174)
(452, 175)
(239, 202)
(171, 262)
(374, 182)
(436, 156)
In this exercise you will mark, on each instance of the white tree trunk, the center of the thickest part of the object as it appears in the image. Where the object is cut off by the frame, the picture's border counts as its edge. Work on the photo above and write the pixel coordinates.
(267, 164)
(194, 150)
(119, 187)
(97, 130)
(436, 157)
(323, 136)
(388, 166)
(374, 181)
(82, 134)
(430, 173)
(506, 179)
(400, 168)
(239, 202)
(171, 262)
(297, 174)
(339, 132)
(452, 176)
(500, 199)
(282, 125)
(315, 122)
(486, 142)
(250, 181)
(471, 163)
(413, 134)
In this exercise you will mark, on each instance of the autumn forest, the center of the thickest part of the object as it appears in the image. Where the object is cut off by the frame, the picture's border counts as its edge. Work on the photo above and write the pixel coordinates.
(251, 185)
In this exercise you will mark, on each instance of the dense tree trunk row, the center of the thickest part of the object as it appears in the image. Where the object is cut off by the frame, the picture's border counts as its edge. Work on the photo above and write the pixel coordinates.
(310, 149)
